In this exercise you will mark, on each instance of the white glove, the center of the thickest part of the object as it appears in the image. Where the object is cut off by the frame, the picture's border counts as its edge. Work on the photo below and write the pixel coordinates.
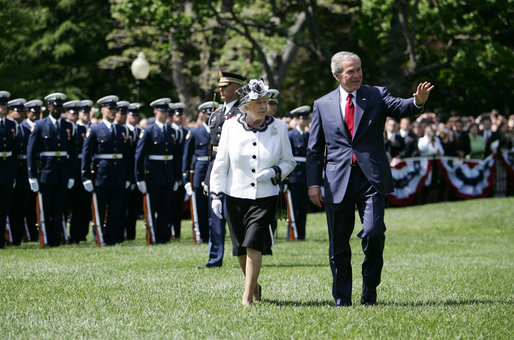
(205, 188)
(132, 187)
(141, 185)
(88, 185)
(34, 186)
(175, 185)
(189, 189)
(127, 184)
(71, 181)
(265, 175)
(14, 184)
(217, 207)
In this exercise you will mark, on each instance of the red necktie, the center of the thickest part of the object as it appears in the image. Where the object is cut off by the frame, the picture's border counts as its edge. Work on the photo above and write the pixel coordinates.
(349, 118)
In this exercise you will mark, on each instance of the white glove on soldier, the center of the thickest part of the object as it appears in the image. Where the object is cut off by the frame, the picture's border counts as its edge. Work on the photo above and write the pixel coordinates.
(175, 185)
(71, 182)
(141, 185)
(189, 189)
(127, 184)
(265, 175)
(34, 186)
(88, 185)
(217, 207)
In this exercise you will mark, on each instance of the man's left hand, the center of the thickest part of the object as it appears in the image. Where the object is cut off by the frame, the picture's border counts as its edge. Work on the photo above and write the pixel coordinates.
(422, 93)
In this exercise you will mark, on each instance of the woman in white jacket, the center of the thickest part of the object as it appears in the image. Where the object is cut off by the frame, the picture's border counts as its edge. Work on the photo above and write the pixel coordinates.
(253, 156)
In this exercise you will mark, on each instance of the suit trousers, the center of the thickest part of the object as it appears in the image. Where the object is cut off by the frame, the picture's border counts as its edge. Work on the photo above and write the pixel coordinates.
(341, 219)
(5, 193)
(217, 232)
(160, 201)
(109, 207)
(54, 203)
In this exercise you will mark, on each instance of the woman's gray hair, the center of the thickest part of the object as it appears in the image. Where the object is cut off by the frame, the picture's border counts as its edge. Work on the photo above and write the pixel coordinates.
(336, 64)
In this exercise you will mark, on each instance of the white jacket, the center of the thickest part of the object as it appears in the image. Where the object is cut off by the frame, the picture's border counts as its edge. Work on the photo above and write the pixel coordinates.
(243, 153)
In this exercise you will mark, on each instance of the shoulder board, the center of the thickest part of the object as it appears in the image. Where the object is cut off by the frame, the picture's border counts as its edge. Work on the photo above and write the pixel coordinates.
(188, 135)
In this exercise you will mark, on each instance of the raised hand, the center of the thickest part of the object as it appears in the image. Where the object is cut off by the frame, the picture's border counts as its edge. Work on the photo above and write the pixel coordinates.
(422, 93)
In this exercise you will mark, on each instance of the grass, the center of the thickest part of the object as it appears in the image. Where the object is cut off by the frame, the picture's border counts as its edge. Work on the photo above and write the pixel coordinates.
(448, 273)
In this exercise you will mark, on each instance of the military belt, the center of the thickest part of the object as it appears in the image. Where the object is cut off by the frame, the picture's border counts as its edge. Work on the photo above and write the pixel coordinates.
(300, 159)
(109, 156)
(53, 154)
(5, 154)
(202, 158)
(160, 157)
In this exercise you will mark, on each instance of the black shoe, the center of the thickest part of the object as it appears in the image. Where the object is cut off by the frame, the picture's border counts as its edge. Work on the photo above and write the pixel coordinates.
(208, 265)
(369, 296)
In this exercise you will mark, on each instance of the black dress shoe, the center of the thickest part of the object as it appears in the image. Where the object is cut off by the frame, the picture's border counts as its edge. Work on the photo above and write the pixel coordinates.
(208, 265)
(369, 296)
(343, 304)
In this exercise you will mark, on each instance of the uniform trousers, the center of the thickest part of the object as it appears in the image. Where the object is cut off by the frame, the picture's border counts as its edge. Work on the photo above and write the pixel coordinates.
(80, 212)
(22, 216)
(134, 202)
(341, 219)
(300, 196)
(54, 204)
(109, 208)
(177, 205)
(5, 193)
(217, 232)
(160, 201)
(202, 208)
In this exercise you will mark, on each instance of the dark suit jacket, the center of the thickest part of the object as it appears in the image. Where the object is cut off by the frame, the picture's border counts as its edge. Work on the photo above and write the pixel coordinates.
(329, 134)
(196, 145)
(411, 146)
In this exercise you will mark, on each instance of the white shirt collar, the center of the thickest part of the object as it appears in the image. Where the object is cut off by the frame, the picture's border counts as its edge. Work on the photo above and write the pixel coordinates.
(81, 124)
(403, 133)
(175, 126)
(107, 123)
(130, 127)
(345, 94)
(207, 127)
(53, 120)
(228, 106)
(159, 124)
(299, 130)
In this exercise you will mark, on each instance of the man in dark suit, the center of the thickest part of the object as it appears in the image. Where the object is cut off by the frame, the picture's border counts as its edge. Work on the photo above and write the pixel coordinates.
(490, 137)
(410, 139)
(347, 135)
(394, 143)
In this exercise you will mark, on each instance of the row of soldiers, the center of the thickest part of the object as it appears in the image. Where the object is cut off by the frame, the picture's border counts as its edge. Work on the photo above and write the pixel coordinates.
(65, 160)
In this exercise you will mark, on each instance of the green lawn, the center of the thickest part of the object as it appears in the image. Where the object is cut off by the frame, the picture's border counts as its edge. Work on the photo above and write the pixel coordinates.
(448, 273)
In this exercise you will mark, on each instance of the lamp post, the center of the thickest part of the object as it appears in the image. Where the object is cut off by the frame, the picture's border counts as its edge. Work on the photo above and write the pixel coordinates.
(140, 69)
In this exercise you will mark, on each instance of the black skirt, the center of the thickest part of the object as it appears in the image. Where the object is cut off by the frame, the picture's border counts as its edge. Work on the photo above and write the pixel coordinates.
(249, 221)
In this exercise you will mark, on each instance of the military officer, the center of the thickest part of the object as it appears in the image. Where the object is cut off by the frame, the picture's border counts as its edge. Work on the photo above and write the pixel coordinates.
(134, 197)
(196, 161)
(299, 139)
(228, 84)
(53, 140)
(272, 102)
(106, 149)
(157, 167)
(8, 155)
(177, 203)
(16, 214)
(83, 123)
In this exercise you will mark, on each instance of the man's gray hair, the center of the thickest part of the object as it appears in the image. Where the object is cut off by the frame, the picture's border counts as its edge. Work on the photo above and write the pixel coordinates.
(336, 64)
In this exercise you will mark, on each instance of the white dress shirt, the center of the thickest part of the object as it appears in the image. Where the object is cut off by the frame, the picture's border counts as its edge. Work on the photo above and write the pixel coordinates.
(242, 154)
(344, 96)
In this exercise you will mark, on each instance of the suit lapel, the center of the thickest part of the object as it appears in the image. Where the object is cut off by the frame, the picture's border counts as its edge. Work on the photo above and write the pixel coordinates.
(359, 110)
(336, 114)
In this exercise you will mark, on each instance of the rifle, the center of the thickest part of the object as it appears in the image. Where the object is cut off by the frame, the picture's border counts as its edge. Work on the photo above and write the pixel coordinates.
(26, 235)
(272, 236)
(96, 218)
(194, 212)
(150, 235)
(40, 213)
(64, 236)
(8, 233)
(291, 224)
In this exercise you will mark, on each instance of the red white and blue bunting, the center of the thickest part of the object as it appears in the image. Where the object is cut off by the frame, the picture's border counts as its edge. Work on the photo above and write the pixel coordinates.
(468, 178)
(507, 157)
(409, 177)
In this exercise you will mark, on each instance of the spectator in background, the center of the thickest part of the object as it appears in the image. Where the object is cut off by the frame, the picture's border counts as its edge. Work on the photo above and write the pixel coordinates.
(490, 137)
(461, 138)
(476, 142)
(393, 142)
(410, 139)
(417, 130)
(447, 139)
(429, 144)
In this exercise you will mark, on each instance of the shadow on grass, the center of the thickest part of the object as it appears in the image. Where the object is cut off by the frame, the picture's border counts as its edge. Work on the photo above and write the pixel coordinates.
(445, 303)
(293, 265)
(292, 303)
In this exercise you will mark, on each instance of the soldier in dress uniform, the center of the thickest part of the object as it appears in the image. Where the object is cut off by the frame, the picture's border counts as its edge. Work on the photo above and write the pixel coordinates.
(228, 84)
(79, 219)
(196, 160)
(8, 155)
(53, 141)
(177, 203)
(83, 123)
(133, 196)
(157, 167)
(16, 211)
(106, 148)
(121, 119)
(299, 139)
